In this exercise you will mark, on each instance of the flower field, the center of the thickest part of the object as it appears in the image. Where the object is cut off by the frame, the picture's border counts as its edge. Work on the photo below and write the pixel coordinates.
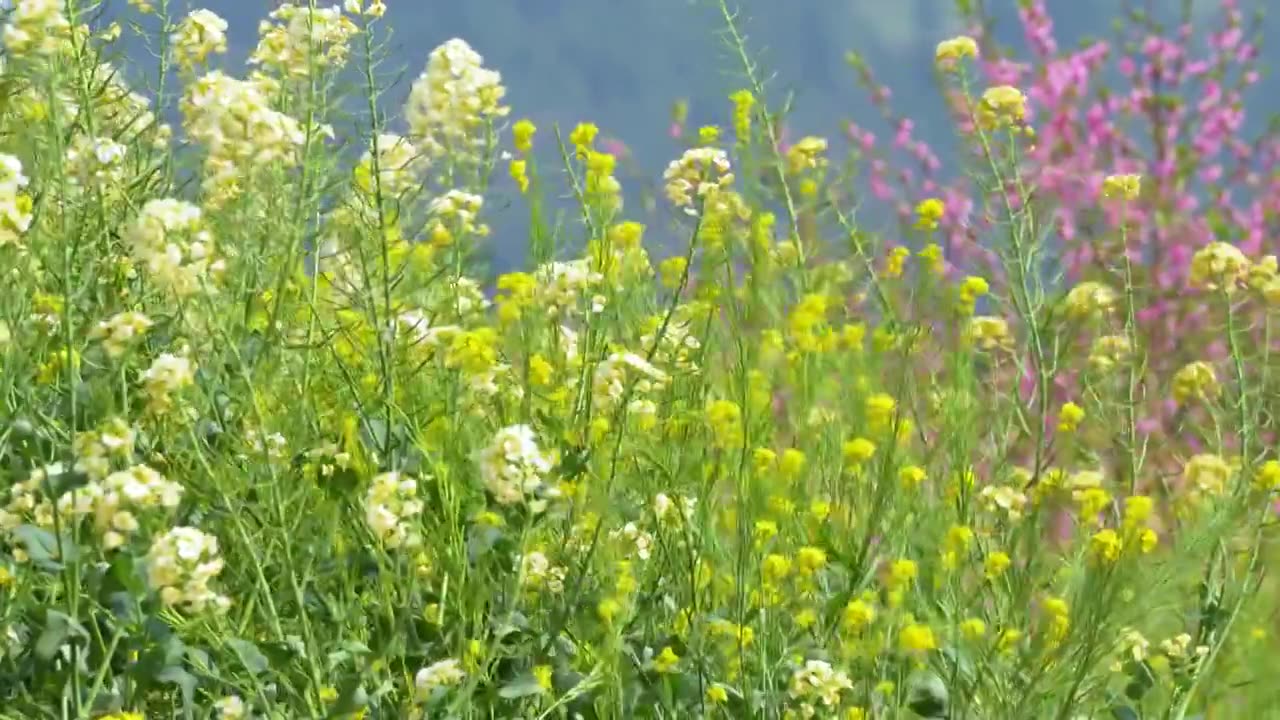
(274, 444)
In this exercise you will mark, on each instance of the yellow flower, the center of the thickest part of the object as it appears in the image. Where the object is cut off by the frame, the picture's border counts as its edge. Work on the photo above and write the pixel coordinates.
(1207, 473)
(791, 464)
(995, 564)
(519, 172)
(896, 262)
(582, 137)
(717, 695)
(1008, 640)
(1137, 509)
(931, 254)
(522, 134)
(916, 638)
(810, 560)
(858, 451)
(1089, 299)
(724, 417)
(1267, 477)
(857, 616)
(1218, 265)
(973, 629)
(1001, 105)
(929, 213)
(911, 476)
(901, 573)
(1122, 186)
(542, 673)
(666, 661)
(1196, 380)
(743, 103)
(1105, 545)
(708, 135)
(1069, 417)
(950, 51)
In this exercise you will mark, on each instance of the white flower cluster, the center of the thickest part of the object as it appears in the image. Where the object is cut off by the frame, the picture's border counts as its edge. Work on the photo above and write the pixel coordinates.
(167, 375)
(514, 469)
(400, 167)
(169, 239)
(452, 100)
(608, 384)
(817, 681)
(37, 27)
(200, 34)
(375, 8)
(442, 674)
(180, 566)
(297, 38)
(115, 501)
(560, 286)
(698, 174)
(120, 331)
(241, 133)
(639, 542)
(538, 573)
(231, 707)
(458, 300)
(95, 449)
(15, 206)
(95, 161)
(391, 508)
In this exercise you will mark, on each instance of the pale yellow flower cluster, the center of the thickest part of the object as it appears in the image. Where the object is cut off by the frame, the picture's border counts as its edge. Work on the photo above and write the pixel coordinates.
(817, 682)
(1219, 265)
(538, 573)
(1090, 300)
(115, 502)
(167, 375)
(181, 564)
(37, 27)
(375, 8)
(453, 100)
(15, 206)
(120, 331)
(455, 213)
(442, 674)
(200, 34)
(95, 449)
(95, 161)
(608, 385)
(514, 469)
(169, 239)
(697, 175)
(240, 131)
(399, 167)
(561, 285)
(391, 508)
(297, 39)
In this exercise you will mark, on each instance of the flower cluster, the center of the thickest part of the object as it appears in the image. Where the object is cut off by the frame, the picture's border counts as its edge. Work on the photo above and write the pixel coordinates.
(170, 241)
(513, 469)
(180, 566)
(167, 375)
(95, 161)
(37, 27)
(120, 332)
(239, 130)
(297, 39)
(696, 176)
(200, 34)
(453, 101)
(391, 508)
(15, 206)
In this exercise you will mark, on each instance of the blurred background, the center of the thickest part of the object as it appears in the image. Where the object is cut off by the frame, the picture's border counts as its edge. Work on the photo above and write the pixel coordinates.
(623, 63)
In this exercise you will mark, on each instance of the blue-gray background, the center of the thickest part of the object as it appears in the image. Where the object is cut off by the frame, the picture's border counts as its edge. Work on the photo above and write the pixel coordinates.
(622, 63)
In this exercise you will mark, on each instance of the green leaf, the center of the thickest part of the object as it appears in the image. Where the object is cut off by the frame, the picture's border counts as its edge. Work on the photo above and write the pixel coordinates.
(42, 546)
(523, 686)
(58, 627)
(185, 681)
(1123, 712)
(928, 696)
(250, 655)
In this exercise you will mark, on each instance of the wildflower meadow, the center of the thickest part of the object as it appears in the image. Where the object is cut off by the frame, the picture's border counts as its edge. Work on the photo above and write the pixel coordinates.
(843, 427)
